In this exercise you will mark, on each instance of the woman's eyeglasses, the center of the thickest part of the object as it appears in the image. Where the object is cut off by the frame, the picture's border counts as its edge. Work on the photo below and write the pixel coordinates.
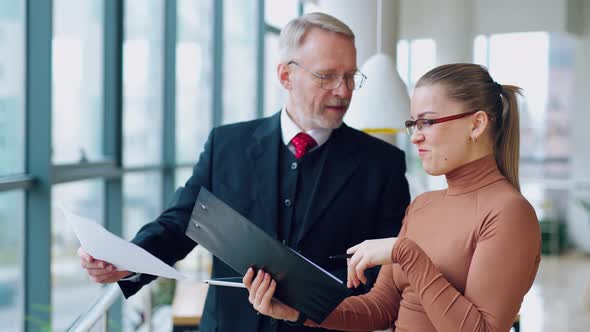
(419, 124)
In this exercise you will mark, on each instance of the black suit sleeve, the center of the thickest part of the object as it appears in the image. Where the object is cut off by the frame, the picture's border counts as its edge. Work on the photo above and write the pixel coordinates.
(164, 237)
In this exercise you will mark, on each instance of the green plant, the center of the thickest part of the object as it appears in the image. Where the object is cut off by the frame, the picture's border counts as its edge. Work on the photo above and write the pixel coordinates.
(163, 293)
(584, 204)
(43, 325)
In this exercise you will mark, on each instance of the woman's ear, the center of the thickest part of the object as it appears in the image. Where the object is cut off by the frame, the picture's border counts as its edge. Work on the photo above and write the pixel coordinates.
(284, 74)
(480, 123)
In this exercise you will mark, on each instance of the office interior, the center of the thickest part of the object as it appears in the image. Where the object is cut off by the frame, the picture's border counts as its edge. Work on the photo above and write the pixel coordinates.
(105, 106)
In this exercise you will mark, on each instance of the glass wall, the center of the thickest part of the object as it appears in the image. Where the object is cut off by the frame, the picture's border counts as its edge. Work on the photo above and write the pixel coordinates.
(279, 13)
(542, 64)
(276, 15)
(142, 200)
(12, 152)
(239, 60)
(142, 82)
(275, 95)
(414, 58)
(194, 70)
(71, 288)
(12, 47)
(11, 260)
(77, 80)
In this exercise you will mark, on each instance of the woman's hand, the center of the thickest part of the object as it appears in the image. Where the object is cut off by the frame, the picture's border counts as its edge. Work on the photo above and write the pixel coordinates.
(261, 290)
(367, 254)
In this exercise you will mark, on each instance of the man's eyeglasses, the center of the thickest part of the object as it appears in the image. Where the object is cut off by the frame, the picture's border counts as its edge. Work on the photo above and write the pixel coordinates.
(331, 81)
(419, 124)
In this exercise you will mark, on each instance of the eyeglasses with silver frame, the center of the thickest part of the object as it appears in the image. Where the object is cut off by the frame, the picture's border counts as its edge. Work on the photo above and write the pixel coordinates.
(331, 81)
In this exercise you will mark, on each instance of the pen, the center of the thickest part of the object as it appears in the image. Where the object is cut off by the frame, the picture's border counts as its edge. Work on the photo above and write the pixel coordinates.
(345, 256)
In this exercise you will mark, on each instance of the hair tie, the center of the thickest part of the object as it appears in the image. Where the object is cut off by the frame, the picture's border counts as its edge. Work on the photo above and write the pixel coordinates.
(499, 87)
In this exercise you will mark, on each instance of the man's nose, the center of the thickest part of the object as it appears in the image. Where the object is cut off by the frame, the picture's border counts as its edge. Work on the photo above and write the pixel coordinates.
(342, 90)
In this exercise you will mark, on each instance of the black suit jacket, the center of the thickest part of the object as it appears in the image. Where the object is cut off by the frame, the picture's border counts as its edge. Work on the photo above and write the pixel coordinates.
(363, 194)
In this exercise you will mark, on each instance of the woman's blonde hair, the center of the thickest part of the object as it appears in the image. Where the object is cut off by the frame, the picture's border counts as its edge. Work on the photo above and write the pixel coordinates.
(473, 86)
(293, 33)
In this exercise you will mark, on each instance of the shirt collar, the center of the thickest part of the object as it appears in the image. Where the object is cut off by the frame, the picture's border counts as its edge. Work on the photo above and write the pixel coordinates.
(289, 129)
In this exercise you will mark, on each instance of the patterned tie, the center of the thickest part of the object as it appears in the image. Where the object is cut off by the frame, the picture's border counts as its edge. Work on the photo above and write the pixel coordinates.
(302, 143)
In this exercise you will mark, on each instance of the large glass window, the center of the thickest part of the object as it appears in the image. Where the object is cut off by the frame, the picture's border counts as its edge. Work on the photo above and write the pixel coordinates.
(239, 60)
(193, 78)
(142, 82)
(414, 58)
(142, 201)
(11, 260)
(71, 289)
(279, 13)
(12, 46)
(142, 204)
(542, 64)
(77, 80)
(274, 94)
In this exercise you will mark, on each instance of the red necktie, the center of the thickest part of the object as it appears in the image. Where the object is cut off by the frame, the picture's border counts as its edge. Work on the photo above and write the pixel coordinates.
(302, 143)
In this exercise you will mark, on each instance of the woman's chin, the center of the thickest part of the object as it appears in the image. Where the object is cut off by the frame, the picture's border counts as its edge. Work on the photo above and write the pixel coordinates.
(431, 170)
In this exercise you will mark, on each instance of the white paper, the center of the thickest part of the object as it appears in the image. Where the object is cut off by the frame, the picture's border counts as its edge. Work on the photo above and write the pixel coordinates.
(103, 245)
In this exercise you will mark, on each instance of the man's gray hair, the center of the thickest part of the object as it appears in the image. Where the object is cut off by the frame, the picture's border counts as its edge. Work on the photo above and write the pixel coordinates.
(293, 33)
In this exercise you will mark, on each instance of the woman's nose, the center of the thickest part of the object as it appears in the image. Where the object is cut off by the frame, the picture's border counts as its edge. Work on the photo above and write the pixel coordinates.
(416, 136)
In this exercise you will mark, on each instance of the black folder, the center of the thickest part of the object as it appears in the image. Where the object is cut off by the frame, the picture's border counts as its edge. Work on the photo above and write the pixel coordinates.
(239, 243)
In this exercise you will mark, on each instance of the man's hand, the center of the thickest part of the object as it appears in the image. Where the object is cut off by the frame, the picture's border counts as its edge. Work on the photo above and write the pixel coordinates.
(261, 290)
(100, 272)
(367, 254)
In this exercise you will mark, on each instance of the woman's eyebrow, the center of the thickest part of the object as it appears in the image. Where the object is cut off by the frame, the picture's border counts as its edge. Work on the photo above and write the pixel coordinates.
(421, 115)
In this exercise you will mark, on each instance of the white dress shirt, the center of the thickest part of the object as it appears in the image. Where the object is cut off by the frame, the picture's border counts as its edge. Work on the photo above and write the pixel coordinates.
(289, 129)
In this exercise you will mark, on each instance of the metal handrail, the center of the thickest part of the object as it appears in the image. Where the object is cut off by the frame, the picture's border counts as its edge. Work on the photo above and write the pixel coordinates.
(97, 310)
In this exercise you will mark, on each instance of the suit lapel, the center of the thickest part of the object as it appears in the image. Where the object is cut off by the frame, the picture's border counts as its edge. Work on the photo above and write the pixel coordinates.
(340, 164)
(264, 153)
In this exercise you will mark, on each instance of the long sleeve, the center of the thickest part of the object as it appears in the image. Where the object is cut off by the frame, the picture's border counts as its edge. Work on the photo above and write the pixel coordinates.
(376, 310)
(502, 269)
(169, 227)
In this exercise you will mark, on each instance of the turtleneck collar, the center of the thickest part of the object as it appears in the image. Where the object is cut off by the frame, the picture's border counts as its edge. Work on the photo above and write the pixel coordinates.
(473, 176)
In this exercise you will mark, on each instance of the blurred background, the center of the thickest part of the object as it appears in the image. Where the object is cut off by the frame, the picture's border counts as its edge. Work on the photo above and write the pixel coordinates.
(105, 106)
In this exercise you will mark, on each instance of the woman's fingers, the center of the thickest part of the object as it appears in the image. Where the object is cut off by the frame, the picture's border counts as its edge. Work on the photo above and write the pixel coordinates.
(352, 274)
(352, 250)
(360, 270)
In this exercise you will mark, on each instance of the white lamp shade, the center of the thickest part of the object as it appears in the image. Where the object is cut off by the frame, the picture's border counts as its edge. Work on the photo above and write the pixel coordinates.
(383, 101)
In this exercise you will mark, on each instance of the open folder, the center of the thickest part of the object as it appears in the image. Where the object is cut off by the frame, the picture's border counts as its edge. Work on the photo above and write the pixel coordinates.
(239, 243)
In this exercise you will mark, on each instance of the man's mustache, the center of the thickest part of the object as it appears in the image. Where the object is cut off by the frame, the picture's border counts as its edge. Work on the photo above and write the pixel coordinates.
(339, 102)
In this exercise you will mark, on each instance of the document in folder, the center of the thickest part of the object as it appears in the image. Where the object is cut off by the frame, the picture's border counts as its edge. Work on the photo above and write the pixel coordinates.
(241, 244)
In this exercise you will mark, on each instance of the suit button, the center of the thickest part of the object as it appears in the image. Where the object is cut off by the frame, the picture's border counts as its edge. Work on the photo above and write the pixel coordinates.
(288, 202)
(294, 165)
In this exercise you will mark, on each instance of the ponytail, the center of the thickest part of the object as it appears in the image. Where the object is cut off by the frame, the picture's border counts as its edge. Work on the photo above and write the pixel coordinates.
(507, 140)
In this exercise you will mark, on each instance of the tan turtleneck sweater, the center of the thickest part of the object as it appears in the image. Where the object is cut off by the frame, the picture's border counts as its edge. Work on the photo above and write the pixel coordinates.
(464, 260)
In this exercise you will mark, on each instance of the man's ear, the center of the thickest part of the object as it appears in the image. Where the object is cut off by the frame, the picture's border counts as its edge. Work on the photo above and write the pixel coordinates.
(480, 123)
(284, 74)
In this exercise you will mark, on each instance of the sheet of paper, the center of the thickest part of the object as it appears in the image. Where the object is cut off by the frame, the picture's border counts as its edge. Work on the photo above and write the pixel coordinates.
(102, 244)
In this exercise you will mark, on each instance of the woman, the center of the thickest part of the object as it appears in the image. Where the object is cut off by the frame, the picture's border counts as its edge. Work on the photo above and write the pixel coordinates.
(466, 255)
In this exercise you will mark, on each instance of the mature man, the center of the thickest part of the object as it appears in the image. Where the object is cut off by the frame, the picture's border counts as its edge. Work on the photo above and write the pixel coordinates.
(301, 175)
